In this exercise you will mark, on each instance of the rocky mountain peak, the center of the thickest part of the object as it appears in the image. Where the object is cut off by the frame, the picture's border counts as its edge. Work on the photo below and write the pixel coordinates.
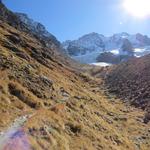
(38, 29)
(122, 34)
(93, 44)
(23, 23)
(33, 25)
(92, 36)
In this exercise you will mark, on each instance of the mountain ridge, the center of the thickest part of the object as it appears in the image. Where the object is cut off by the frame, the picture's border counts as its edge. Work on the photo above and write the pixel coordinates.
(95, 44)
(24, 23)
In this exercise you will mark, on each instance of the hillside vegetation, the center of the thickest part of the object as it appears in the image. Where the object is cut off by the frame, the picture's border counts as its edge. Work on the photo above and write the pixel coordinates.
(70, 109)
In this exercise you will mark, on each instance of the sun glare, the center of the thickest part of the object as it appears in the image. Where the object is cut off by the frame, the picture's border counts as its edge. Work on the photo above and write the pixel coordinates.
(137, 8)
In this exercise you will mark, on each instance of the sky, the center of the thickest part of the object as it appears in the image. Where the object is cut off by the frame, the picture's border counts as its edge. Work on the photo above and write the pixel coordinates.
(70, 19)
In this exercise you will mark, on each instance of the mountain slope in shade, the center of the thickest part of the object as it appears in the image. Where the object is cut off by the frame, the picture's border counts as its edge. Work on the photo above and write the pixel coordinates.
(131, 82)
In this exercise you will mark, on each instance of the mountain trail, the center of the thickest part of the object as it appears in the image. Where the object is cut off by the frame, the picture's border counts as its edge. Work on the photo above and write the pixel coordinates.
(15, 137)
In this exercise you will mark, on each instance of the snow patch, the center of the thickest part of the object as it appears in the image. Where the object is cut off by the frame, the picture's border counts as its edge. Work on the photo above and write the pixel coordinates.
(115, 51)
(102, 64)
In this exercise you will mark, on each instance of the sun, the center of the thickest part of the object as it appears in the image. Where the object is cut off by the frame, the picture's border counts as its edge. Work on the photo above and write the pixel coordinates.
(137, 8)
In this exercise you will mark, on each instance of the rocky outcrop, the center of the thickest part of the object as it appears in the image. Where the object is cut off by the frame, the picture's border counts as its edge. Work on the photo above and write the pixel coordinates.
(75, 50)
(127, 48)
(108, 57)
(143, 39)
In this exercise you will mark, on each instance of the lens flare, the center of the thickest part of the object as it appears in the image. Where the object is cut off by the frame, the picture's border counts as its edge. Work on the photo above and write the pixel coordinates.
(137, 8)
(17, 141)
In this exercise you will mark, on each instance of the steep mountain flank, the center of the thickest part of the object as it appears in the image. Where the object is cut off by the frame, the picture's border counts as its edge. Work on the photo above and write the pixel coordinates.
(37, 29)
(131, 82)
(23, 23)
(47, 103)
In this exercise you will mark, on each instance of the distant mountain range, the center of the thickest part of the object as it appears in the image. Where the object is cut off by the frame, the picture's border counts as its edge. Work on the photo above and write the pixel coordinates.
(90, 48)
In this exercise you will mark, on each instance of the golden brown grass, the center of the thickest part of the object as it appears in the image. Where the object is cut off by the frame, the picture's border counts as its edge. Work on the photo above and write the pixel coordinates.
(74, 114)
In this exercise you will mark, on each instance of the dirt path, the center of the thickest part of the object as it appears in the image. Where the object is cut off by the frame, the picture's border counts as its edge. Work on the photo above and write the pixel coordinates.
(15, 137)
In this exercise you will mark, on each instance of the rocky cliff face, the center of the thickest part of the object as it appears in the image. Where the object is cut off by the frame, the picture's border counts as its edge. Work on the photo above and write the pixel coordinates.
(127, 48)
(85, 44)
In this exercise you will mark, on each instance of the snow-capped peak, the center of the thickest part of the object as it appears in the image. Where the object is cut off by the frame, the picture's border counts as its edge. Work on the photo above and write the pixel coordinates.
(87, 48)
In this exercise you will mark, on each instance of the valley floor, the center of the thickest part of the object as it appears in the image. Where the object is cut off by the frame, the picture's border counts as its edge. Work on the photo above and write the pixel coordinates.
(95, 120)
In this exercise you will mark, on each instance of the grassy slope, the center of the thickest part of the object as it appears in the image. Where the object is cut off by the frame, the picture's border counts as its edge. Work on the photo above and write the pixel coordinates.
(71, 111)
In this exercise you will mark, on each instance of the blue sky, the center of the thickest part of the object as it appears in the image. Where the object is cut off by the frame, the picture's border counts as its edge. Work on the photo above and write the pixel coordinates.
(70, 19)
